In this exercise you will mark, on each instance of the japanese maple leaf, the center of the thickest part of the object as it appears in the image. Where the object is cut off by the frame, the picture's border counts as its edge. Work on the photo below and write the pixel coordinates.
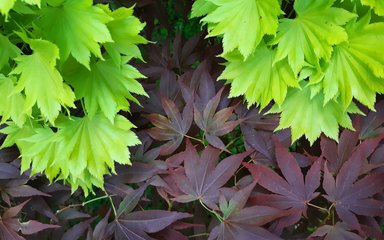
(337, 155)
(242, 23)
(339, 231)
(171, 129)
(257, 78)
(306, 38)
(137, 225)
(215, 124)
(288, 192)
(356, 68)
(10, 224)
(244, 223)
(203, 177)
(79, 20)
(352, 195)
(377, 5)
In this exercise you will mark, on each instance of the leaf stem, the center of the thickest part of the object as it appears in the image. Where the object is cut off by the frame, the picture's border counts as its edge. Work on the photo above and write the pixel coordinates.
(112, 204)
(199, 235)
(193, 138)
(82, 204)
(318, 207)
(211, 211)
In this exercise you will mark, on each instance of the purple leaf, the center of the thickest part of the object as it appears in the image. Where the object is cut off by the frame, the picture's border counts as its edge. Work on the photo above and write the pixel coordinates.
(32, 227)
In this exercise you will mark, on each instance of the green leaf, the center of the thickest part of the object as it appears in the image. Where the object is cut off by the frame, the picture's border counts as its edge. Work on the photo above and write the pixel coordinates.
(356, 68)
(202, 7)
(377, 5)
(310, 117)
(124, 29)
(243, 23)
(8, 51)
(12, 105)
(105, 87)
(311, 35)
(77, 28)
(7, 5)
(258, 78)
(81, 152)
(40, 80)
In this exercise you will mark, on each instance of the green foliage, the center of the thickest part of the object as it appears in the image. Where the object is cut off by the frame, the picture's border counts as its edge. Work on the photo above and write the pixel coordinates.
(337, 53)
(52, 61)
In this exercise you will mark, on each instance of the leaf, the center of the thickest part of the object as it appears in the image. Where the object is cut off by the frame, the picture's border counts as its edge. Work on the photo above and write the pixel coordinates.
(242, 23)
(7, 5)
(82, 151)
(202, 7)
(257, 78)
(202, 178)
(309, 116)
(339, 231)
(32, 227)
(356, 67)
(77, 28)
(306, 38)
(215, 124)
(105, 86)
(377, 5)
(39, 70)
(124, 29)
(172, 129)
(12, 104)
(351, 195)
(288, 192)
(130, 201)
(244, 223)
(136, 225)
(8, 49)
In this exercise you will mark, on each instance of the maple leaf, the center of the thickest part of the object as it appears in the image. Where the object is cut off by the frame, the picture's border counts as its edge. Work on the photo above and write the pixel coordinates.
(9, 51)
(172, 129)
(258, 78)
(202, 7)
(137, 225)
(105, 86)
(12, 104)
(124, 29)
(73, 19)
(308, 116)
(288, 192)
(203, 177)
(306, 37)
(244, 223)
(377, 5)
(338, 231)
(10, 224)
(215, 124)
(7, 5)
(356, 67)
(41, 81)
(80, 152)
(243, 23)
(353, 195)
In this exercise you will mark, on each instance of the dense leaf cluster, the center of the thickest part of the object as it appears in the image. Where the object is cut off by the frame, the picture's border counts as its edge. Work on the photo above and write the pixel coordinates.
(208, 167)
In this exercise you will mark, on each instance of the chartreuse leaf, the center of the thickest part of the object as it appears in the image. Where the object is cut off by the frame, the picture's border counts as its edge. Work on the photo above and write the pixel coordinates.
(243, 23)
(81, 152)
(311, 35)
(41, 81)
(202, 7)
(8, 50)
(377, 5)
(356, 68)
(106, 86)
(310, 117)
(124, 29)
(258, 78)
(7, 5)
(76, 27)
(11, 104)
